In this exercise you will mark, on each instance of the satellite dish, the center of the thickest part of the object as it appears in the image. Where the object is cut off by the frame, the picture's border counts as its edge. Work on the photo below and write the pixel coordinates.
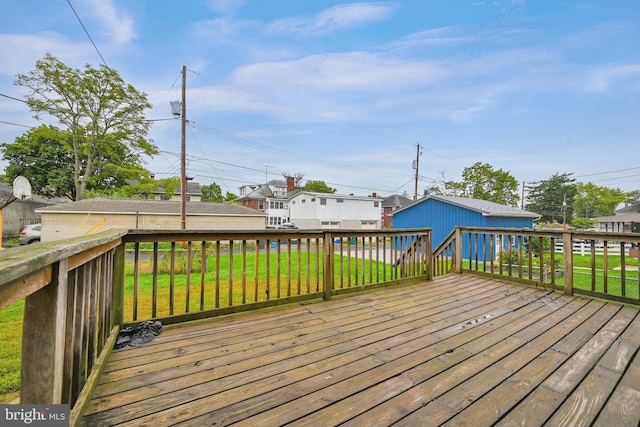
(21, 188)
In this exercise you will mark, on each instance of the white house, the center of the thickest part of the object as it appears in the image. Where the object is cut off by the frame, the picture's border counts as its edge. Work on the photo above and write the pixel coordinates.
(270, 198)
(309, 210)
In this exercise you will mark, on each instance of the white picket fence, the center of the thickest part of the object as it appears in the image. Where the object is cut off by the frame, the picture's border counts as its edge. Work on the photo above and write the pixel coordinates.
(584, 248)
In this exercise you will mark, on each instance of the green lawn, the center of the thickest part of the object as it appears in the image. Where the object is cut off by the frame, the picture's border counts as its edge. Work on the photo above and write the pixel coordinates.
(11, 318)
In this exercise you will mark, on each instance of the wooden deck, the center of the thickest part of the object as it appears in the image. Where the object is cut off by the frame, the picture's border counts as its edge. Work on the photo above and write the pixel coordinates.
(461, 350)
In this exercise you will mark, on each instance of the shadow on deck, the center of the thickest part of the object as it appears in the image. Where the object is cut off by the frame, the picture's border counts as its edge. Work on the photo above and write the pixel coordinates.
(459, 350)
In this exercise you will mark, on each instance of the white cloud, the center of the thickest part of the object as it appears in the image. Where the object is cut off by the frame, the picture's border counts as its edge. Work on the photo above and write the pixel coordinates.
(225, 6)
(19, 52)
(117, 24)
(337, 18)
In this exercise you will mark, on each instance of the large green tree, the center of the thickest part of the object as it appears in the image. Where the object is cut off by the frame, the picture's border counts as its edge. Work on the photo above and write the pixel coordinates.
(481, 181)
(213, 193)
(553, 198)
(103, 115)
(318, 187)
(45, 156)
(594, 201)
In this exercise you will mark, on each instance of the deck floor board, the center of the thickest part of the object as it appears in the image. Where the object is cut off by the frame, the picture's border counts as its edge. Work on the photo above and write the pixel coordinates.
(459, 350)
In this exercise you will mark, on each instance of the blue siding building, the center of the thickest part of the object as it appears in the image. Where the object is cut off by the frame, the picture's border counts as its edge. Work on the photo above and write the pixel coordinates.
(443, 213)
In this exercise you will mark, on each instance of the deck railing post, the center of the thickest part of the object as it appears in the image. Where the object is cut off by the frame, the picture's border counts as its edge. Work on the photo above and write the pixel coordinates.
(43, 340)
(117, 301)
(567, 249)
(457, 255)
(328, 258)
(429, 256)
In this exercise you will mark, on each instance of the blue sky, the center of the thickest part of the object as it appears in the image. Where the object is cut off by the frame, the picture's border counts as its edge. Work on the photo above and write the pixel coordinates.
(343, 92)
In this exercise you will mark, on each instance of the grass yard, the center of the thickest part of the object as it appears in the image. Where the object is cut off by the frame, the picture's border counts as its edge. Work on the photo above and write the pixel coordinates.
(10, 351)
(11, 317)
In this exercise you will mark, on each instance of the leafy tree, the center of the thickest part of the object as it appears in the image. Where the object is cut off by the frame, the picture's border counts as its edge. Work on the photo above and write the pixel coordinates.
(103, 115)
(444, 187)
(212, 193)
(230, 197)
(553, 198)
(632, 197)
(594, 201)
(318, 187)
(169, 185)
(481, 181)
(45, 156)
(583, 223)
(133, 190)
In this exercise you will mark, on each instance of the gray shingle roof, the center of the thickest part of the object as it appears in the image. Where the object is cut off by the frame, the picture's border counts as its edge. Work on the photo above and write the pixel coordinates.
(101, 205)
(396, 201)
(482, 206)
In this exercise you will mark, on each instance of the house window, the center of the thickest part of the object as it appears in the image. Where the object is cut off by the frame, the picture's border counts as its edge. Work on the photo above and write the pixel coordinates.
(313, 199)
(304, 201)
(261, 205)
(339, 200)
(323, 201)
(376, 204)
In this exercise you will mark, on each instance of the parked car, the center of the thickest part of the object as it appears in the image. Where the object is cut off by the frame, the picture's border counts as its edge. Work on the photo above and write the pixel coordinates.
(30, 234)
(287, 226)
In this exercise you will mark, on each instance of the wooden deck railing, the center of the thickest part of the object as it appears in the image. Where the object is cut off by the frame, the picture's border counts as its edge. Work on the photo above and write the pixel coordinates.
(72, 292)
(79, 293)
(184, 276)
(532, 257)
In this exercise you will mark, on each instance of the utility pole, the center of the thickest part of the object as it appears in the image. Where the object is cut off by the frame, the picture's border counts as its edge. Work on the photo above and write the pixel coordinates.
(183, 154)
(415, 194)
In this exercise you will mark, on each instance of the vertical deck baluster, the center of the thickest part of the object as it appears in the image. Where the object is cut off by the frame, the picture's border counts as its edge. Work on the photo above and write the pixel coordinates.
(289, 267)
(384, 259)
(217, 291)
(530, 255)
(230, 281)
(154, 285)
(172, 278)
(308, 271)
(623, 276)
(136, 278)
(256, 272)
(348, 261)
(278, 269)
(605, 267)
(244, 272)
(519, 243)
(318, 256)
(268, 269)
(203, 272)
(593, 265)
(188, 278)
(299, 267)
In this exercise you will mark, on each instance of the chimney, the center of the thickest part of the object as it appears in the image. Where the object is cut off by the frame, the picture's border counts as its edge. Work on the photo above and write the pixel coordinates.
(291, 184)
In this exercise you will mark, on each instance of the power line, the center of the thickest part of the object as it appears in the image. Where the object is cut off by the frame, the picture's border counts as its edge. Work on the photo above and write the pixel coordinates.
(11, 97)
(15, 124)
(87, 33)
(289, 154)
